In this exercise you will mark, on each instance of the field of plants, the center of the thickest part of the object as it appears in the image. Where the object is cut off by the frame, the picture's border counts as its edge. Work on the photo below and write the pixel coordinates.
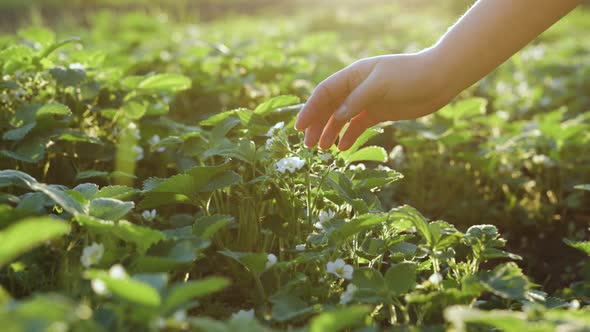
(151, 178)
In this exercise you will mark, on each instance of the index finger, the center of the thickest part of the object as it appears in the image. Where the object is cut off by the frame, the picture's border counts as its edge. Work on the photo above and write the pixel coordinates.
(326, 97)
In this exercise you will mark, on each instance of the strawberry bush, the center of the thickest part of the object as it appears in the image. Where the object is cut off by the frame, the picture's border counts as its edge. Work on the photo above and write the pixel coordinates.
(151, 179)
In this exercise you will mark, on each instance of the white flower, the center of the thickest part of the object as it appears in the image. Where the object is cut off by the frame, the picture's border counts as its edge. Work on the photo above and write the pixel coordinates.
(154, 141)
(179, 316)
(358, 167)
(269, 143)
(92, 254)
(384, 168)
(574, 304)
(99, 287)
(291, 164)
(271, 260)
(325, 157)
(149, 215)
(300, 247)
(132, 128)
(272, 129)
(436, 278)
(138, 152)
(243, 314)
(348, 294)
(77, 66)
(324, 216)
(117, 271)
(340, 269)
(543, 160)
(397, 155)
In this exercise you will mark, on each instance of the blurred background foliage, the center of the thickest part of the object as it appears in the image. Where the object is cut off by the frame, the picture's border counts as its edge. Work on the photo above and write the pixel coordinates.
(513, 163)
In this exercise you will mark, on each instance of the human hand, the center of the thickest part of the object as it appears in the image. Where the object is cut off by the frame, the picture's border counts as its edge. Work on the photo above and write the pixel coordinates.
(373, 90)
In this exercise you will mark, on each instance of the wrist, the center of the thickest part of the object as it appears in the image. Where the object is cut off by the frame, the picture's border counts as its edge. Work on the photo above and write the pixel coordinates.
(441, 79)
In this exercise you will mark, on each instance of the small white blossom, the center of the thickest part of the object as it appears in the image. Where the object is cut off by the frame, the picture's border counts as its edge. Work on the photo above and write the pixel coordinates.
(179, 316)
(384, 168)
(160, 323)
(290, 165)
(243, 314)
(92, 254)
(154, 141)
(138, 152)
(99, 287)
(149, 215)
(77, 66)
(358, 167)
(325, 157)
(300, 247)
(398, 156)
(117, 271)
(340, 269)
(543, 160)
(274, 128)
(574, 304)
(348, 294)
(436, 278)
(271, 260)
(132, 128)
(324, 216)
(269, 143)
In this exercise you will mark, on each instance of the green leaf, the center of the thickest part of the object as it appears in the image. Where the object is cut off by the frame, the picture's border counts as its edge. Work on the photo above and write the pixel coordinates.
(28, 234)
(340, 319)
(494, 253)
(57, 45)
(580, 245)
(369, 282)
(369, 153)
(116, 192)
(109, 208)
(223, 180)
(505, 280)
(205, 227)
(23, 180)
(129, 289)
(464, 109)
(11, 177)
(28, 151)
(42, 36)
(88, 190)
(67, 77)
(255, 262)
(135, 110)
(275, 103)
(357, 225)
(19, 133)
(181, 293)
(364, 138)
(287, 306)
(142, 237)
(59, 197)
(407, 213)
(401, 278)
(165, 83)
(91, 174)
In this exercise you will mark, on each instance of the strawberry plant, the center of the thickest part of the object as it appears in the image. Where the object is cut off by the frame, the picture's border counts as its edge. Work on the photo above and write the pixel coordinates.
(151, 179)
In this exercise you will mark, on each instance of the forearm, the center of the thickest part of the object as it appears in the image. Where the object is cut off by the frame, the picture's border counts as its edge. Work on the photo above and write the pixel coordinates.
(490, 33)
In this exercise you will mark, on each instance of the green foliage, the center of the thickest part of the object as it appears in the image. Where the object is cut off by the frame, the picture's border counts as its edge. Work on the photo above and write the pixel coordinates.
(152, 180)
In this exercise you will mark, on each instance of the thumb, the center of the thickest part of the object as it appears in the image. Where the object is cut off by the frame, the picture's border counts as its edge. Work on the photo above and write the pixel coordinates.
(367, 93)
